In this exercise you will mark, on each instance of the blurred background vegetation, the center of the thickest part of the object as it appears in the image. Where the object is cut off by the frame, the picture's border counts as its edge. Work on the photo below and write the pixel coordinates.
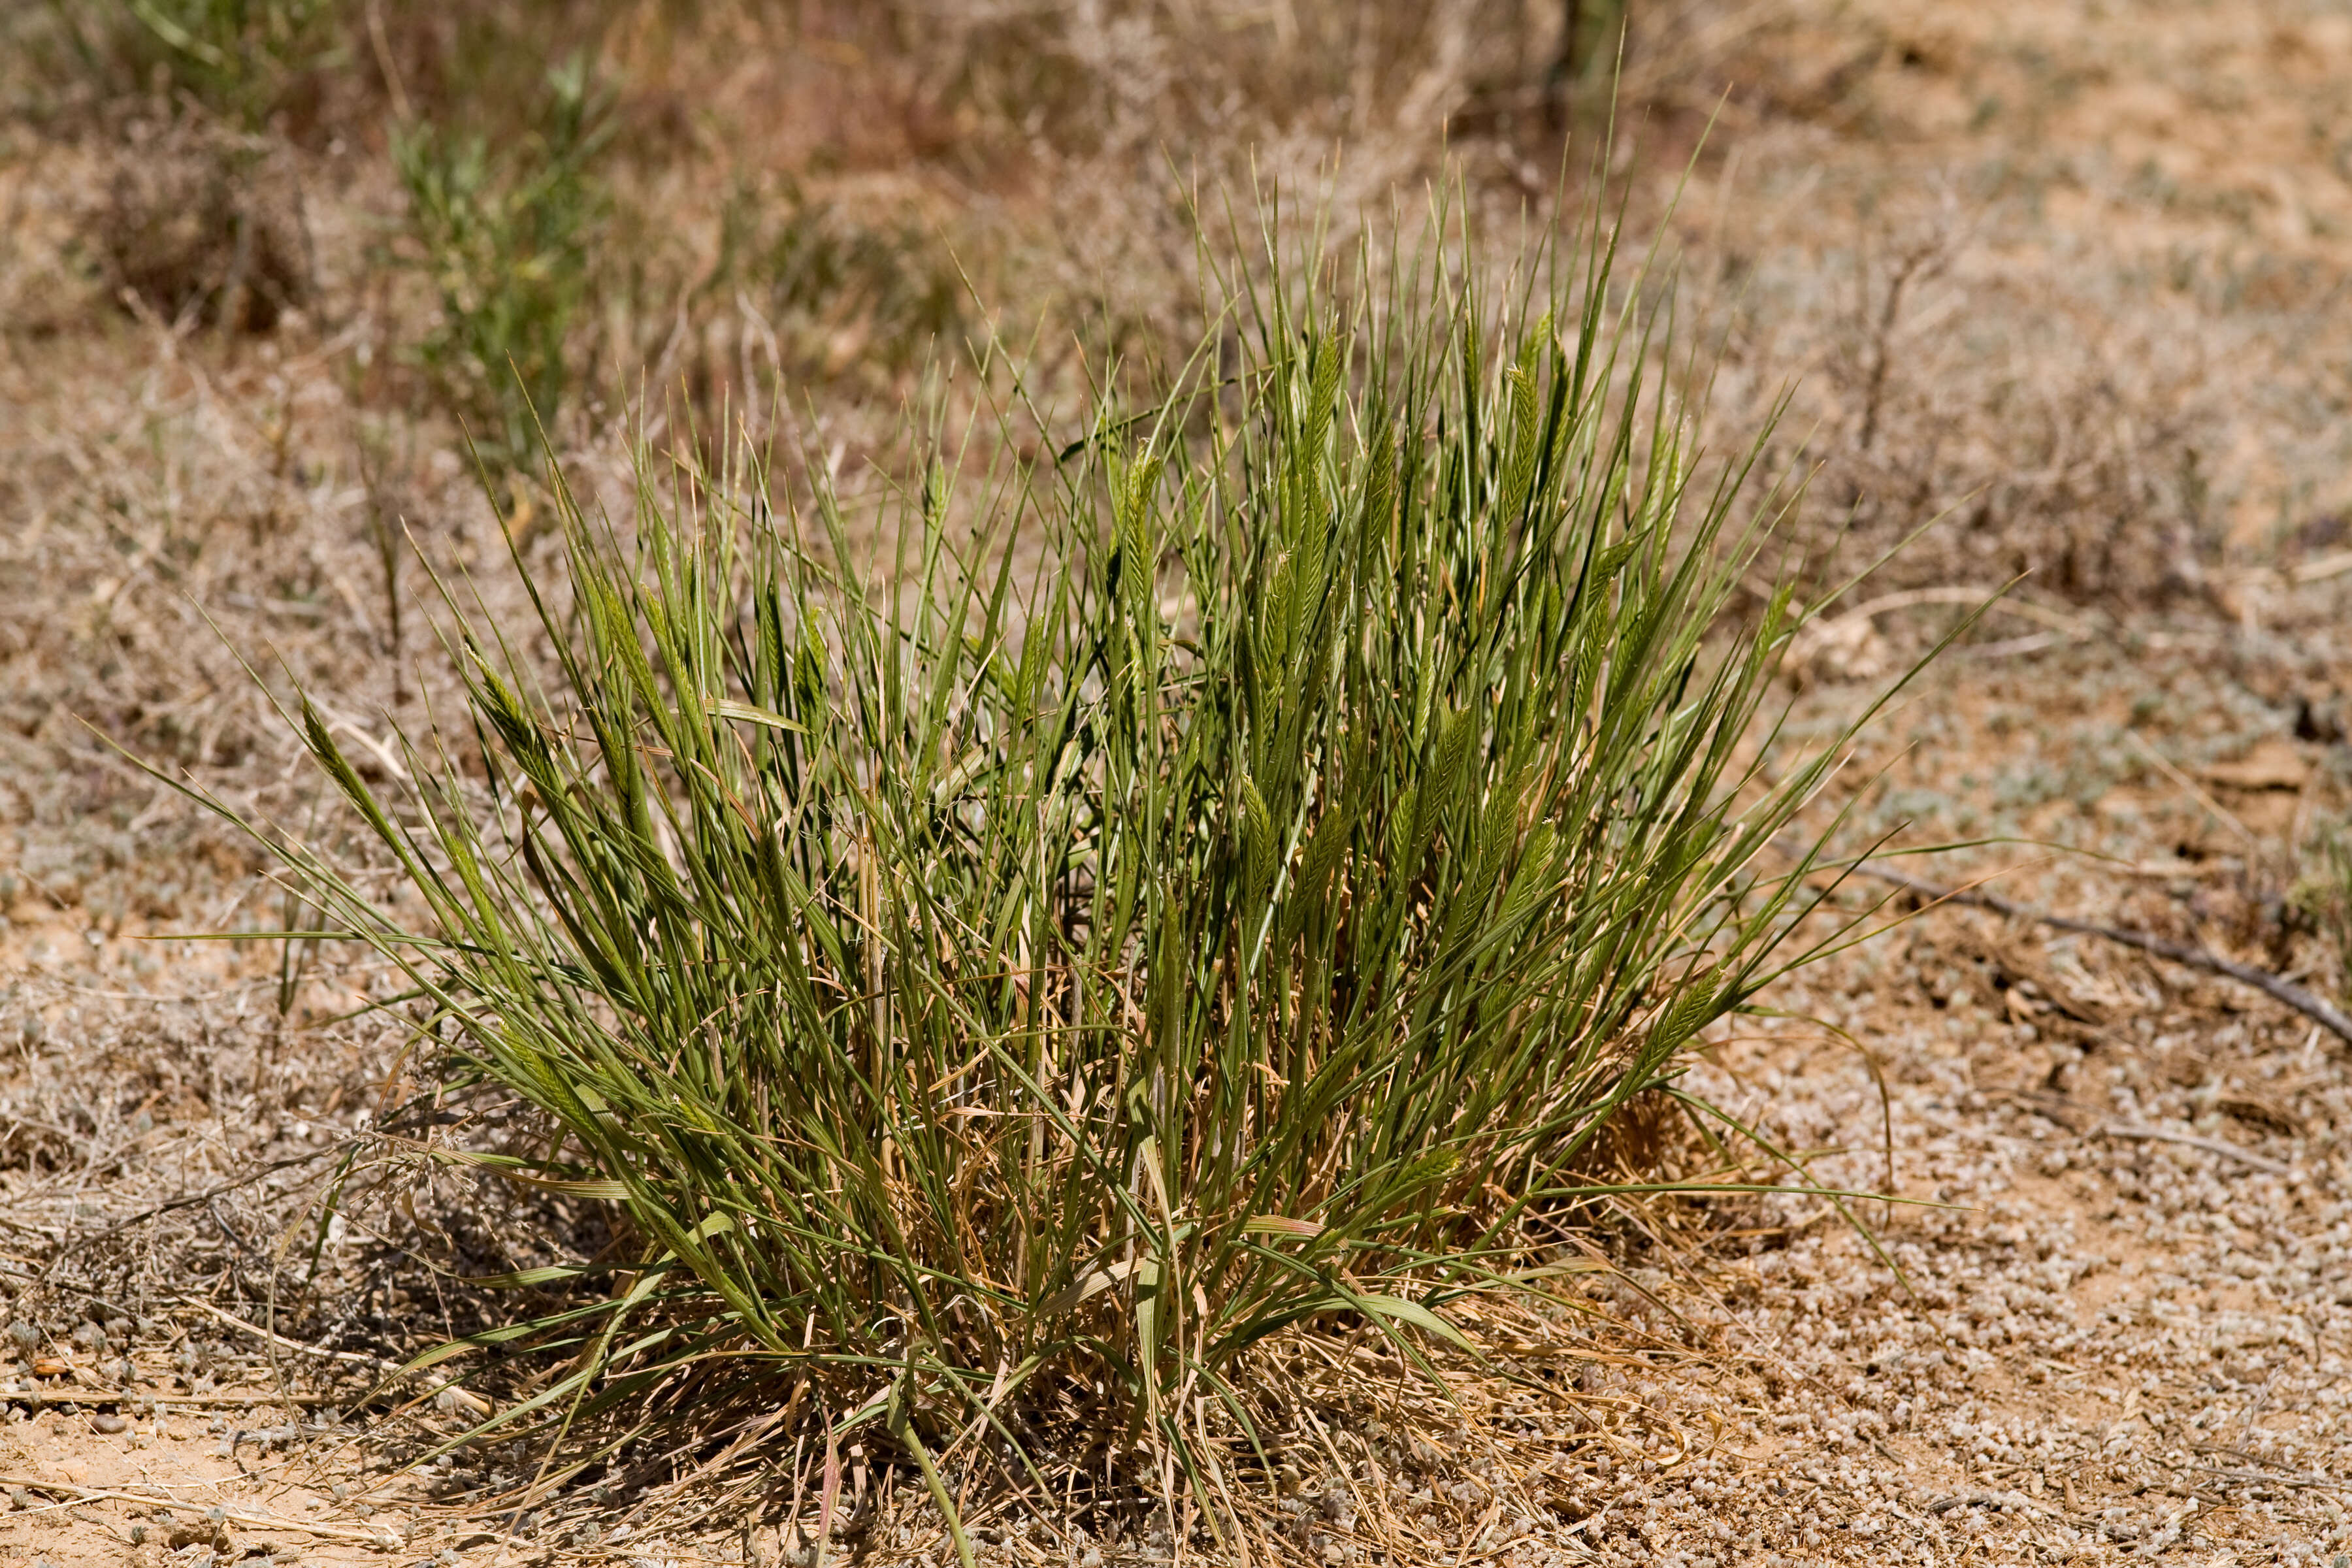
(2092, 342)
(556, 199)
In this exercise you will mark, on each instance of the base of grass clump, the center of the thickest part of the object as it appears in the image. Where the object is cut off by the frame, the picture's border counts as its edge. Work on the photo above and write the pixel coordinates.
(1219, 884)
(1355, 1456)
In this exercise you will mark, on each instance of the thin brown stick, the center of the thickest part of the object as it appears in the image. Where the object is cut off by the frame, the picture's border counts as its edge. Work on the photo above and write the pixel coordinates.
(69, 1399)
(74, 1494)
(376, 1364)
(2223, 1147)
(2283, 992)
(2190, 786)
(189, 1201)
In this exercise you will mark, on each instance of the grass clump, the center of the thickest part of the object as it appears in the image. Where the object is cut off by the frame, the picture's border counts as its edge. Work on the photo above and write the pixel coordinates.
(1222, 879)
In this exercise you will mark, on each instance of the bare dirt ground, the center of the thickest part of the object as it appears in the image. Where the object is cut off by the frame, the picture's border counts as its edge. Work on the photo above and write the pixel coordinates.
(2069, 277)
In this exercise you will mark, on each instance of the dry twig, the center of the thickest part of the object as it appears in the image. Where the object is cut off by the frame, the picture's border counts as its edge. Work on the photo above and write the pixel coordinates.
(383, 1539)
(2284, 992)
(2210, 1145)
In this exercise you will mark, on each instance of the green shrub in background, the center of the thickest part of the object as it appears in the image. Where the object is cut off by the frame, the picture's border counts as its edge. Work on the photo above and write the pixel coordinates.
(507, 237)
(1592, 36)
(238, 59)
(1225, 879)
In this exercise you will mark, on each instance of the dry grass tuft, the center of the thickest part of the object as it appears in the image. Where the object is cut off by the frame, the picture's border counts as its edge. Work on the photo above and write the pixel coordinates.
(204, 225)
